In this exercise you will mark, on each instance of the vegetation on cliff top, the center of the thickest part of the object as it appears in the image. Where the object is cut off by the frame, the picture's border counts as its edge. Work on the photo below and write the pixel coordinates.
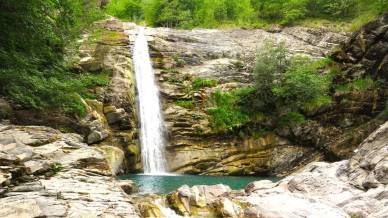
(33, 38)
(249, 13)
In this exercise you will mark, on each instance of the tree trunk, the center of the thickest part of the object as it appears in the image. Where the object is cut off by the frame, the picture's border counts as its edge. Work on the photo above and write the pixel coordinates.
(103, 3)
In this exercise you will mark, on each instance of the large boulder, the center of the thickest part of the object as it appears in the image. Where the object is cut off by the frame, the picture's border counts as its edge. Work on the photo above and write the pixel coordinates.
(45, 173)
(195, 200)
(368, 168)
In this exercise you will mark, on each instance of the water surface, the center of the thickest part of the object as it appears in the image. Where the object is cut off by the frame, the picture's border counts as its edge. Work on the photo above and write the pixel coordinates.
(166, 183)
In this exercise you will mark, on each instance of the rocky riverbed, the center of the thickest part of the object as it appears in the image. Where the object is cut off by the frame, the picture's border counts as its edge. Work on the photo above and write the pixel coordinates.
(349, 188)
(45, 173)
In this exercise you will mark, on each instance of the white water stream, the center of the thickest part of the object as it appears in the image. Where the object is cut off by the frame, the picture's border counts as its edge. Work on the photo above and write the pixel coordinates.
(151, 119)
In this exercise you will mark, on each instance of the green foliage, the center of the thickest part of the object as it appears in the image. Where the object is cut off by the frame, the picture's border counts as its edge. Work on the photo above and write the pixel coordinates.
(33, 36)
(335, 7)
(291, 85)
(125, 9)
(249, 13)
(225, 112)
(301, 85)
(271, 63)
(295, 82)
(40, 90)
(292, 118)
(188, 104)
(357, 85)
(198, 83)
(56, 167)
(174, 80)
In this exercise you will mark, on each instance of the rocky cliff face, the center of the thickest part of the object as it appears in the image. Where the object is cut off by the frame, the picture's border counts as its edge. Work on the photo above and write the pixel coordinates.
(225, 56)
(112, 121)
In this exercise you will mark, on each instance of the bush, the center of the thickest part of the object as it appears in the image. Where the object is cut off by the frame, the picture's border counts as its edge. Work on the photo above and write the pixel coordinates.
(39, 91)
(226, 113)
(185, 104)
(357, 85)
(198, 83)
(286, 85)
(292, 118)
(271, 63)
(301, 85)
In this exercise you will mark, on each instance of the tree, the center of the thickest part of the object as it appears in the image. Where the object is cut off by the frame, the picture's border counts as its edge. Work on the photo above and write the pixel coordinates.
(125, 9)
(271, 63)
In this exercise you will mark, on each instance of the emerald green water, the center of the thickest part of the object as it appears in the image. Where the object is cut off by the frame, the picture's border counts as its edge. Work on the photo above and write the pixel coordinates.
(164, 184)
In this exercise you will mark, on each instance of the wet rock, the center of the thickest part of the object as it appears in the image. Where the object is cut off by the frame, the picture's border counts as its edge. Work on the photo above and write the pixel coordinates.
(150, 210)
(368, 47)
(128, 186)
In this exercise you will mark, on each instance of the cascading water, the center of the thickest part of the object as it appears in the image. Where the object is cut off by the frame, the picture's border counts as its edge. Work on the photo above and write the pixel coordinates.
(151, 120)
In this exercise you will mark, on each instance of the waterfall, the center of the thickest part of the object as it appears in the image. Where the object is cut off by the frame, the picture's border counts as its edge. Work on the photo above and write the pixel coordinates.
(151, 119)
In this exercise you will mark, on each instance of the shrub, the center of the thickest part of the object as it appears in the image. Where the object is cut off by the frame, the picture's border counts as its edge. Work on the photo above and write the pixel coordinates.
(271, 63)
(301, 85)
(357, 85)
(174, 80)
(198, 83)
(189, 104)
(291, 118)
(39, 91)
(225, 112)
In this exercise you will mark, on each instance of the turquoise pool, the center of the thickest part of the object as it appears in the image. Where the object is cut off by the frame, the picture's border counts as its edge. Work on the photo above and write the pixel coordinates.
(166, 183)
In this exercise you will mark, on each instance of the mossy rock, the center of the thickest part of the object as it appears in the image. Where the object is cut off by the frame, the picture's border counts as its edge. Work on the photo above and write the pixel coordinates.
(150, 210)
(133, 150)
